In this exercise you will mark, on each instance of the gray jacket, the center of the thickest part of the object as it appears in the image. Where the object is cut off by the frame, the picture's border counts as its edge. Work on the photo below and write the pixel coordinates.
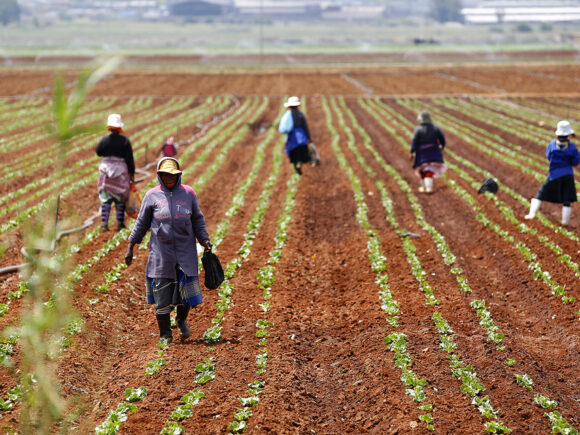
(175, 220)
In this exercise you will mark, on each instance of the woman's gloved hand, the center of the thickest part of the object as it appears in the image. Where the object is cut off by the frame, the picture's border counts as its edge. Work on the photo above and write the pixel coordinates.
(207, 245)
(129, 254)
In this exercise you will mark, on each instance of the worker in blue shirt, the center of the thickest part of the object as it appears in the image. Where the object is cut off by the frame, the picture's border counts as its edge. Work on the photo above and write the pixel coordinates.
(559, 186)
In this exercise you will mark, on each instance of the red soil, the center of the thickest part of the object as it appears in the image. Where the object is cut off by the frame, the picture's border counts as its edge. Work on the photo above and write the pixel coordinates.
(329, 370)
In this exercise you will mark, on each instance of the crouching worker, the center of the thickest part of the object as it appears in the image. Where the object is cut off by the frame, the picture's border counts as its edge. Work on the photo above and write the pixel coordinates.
(172, 212)
(559, 186)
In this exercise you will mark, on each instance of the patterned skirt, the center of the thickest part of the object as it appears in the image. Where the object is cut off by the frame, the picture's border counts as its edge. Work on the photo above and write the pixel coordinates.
(436, 167)
(114, 178)
(165, 293)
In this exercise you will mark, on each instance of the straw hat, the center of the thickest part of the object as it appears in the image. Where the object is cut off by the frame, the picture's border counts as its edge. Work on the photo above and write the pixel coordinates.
(564, 129)
(114, 120)
(168, 165)
(424, 117)
(292, 102)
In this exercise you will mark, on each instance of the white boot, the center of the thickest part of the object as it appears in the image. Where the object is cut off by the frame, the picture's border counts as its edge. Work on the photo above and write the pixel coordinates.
(422, 189)
(566, 210)
(534, 207)
(428, 184)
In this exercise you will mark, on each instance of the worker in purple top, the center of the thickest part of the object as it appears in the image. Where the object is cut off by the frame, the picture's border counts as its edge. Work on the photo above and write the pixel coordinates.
(559, 187)
(427, 151)
(171, 211)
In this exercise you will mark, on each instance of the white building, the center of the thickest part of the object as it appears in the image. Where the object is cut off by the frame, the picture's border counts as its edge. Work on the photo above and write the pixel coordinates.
(493, 12)
(278, 8)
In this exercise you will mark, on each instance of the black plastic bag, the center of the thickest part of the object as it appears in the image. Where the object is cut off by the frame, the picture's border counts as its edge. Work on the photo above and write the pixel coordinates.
(489, 185)
(214, 273)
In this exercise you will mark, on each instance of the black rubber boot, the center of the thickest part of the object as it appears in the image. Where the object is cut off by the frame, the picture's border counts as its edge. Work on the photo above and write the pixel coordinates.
(164, 322)
(181, 320)
(105, 212)
(120, 213)
(298, 168)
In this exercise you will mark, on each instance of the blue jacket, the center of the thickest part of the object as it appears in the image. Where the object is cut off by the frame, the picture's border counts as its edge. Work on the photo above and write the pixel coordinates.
(175, 220)
(294, 123)
(562, 160)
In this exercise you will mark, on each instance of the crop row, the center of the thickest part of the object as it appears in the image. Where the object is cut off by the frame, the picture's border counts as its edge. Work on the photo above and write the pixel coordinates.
(266, 279)
(84, 143)
(206, 369)
(225, 292)
(504, 188)
(471, 384)
(490, 144)
(41, 152)
(507, 212)
(38, 122)
(503, 122)
(486, 321)
(81, 269)
(87, 175)
(563, 108)
(397, 342)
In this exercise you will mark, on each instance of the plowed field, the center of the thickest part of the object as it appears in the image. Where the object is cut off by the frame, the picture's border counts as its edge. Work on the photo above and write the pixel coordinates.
(358, 233)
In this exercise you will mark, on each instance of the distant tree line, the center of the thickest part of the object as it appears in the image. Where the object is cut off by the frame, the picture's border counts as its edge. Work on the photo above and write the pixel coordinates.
(9, 11)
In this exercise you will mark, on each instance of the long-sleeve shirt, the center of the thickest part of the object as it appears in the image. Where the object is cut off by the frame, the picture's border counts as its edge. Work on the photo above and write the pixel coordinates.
(117, 145)
(562, 160)
(175, 220)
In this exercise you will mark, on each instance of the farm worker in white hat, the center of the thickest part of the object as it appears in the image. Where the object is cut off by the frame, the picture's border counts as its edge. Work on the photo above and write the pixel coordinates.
(559, 186)
(171, 211)
(427, 151)
(299, 146)
(116, 171)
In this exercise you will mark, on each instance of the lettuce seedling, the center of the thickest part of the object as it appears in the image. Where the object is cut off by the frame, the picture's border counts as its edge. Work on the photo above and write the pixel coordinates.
(193, 397)
(243, 414)
(249, 401)
(525, 381)
(559, 424)
(545, 402)
(238, 426)
(497, 427)
(172, 428)
(181, 412)
(135, 394)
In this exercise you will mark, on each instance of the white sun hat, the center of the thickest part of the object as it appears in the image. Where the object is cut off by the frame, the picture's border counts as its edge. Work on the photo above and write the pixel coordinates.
(564, 129)
(114, 120)
(292, 102)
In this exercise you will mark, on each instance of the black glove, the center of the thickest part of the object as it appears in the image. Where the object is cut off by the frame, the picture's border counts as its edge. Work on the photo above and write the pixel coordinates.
(207, 245)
